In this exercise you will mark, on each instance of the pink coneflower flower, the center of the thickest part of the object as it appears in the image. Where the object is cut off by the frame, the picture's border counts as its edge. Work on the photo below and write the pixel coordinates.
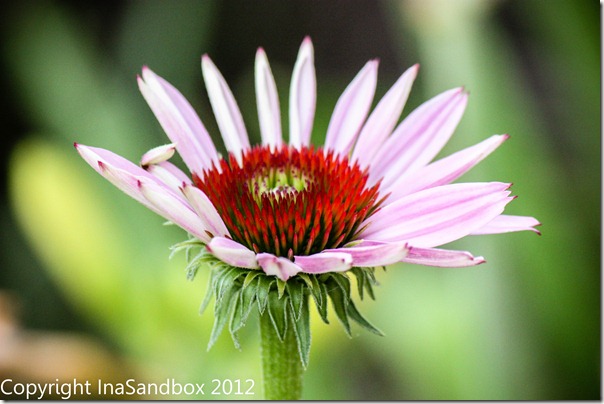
(371, 196)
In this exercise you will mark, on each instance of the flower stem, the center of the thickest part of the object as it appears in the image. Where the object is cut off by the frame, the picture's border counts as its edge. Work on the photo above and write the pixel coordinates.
(281, 365)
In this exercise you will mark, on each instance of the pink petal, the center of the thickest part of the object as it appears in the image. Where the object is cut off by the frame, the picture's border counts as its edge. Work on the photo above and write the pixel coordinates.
(374, 254)
(445, 170)
(205, 210)
(169, 174)
(384, 117)
(324, 262)
(119, 171)
(438, 215)
(179, 121)
(225, 109)
(232, 253)
(508, 223)
(267, 99)
(351, 110)
(416, 141)
(302, 96)
(441, 258)
(278, 266)
(174, 209)
(158, 154)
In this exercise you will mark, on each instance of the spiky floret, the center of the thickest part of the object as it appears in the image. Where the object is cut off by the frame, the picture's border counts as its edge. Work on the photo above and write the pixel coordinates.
(289, 201)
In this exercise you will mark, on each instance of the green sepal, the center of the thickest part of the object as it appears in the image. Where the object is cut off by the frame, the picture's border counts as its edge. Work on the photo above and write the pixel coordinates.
(227, 280)
(354, 314)
(361, 280)
(339, 301)
(221, 315)
(251, 275)
(280, 287)
(302, 331)
(237, 291)
(307, 279)
(277, 310)
(343, 282)
(322, 308)
(264, 287)
(248, 298)
(295, 291)
(236, 315)
(315, 290)
(209, 293)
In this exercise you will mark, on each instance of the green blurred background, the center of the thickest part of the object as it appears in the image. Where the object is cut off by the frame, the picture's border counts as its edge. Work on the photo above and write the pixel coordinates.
(86, 286)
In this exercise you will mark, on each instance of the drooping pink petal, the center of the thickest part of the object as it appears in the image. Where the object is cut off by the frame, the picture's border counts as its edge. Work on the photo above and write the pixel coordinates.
(278, 266)
(507, 224)
(438, 215)
(158, 154)
(205, 210)
(228, 116)
(232, 253)
(384, 117)
(302, 96)
(119, 171)
(179, 121)
(322, 262)
(419, 138)
(374, 254)
(435, 257)
(169, 174)
(155, 195)
(445, 170)
(267, 100)
(351, 110)
(126, 182)
(174, 209)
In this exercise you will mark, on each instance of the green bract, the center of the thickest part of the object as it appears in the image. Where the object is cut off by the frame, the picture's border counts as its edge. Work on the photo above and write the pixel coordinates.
(237, 291)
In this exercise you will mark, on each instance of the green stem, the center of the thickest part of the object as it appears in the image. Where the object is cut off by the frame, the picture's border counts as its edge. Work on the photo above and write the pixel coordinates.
(281, 365)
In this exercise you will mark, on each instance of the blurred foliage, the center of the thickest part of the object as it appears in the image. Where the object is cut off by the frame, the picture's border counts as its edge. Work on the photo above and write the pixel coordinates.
(526, 325)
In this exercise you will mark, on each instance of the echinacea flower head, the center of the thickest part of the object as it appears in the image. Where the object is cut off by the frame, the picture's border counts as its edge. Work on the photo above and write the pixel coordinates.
(370, 196)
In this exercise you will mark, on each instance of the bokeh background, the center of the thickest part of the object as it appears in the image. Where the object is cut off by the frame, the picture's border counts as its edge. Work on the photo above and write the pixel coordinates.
(86, 286)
